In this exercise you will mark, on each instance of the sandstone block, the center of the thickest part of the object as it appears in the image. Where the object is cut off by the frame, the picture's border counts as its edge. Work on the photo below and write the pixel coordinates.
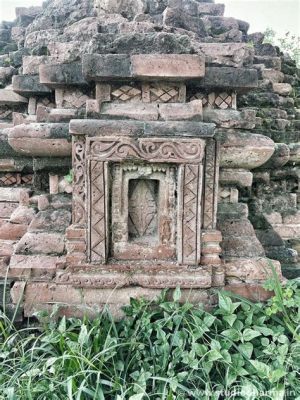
(11, 194)
(74, 232)
(41, 243)
(6, 248)
(269, 238)
(41, 38)
(9, 231)
(228, 77)
(28, 85)
(8, 96)
(230, 118)
(293, 218)
(253, 292)
(127, 8)
(227, 54)
(43, 148)
(141, 43)
(140, 112)
(242, 150)
(273, 217)
(31, 64)
(167, 66)
(67, 52)
(181, 111)
(248, 270)
(239, 177)
(272, 75)
(178, 18)
(235, 246)
(211, 9)
(6, 209)
(284, 89)
(280, 156)
(22, 215)
(294, 153)
(57, 75)
(100, 67)
(50, 220)
(232, 211)
(137, 128)
(41, 139)
(37, 267)
(291, 231)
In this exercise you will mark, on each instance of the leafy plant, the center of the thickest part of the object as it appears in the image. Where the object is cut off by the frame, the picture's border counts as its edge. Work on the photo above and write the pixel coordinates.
(69, 178)
(288, 44)
(163, 350)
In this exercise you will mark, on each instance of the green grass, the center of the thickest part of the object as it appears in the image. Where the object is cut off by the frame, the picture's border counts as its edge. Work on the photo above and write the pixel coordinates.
(160, 350)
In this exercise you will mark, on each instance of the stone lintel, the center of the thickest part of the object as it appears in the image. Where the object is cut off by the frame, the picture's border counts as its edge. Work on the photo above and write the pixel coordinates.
(28, 85)
(178, 67)
(90, 127)
(59, 75)
(229, 77)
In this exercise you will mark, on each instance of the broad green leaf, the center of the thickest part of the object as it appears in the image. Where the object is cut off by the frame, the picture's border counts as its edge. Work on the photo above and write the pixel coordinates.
(248, 390)
(62, 325)
(232, 334)
(246, 349)
(230, 319)
(278, 393)
(277, 374)
(250, 334)
(225, 303)
(177, 294)
(138, 396)
(264, 330)
(83, 335)
(209, 320)
(214, 355)
(263, 369)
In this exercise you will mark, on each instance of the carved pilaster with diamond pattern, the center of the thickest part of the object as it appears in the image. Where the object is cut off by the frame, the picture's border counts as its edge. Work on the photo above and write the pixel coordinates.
(79, 181)
(190, 224)
(98, 215)
(210, 184)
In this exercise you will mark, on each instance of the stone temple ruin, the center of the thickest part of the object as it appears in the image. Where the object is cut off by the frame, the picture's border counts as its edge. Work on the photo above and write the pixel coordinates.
(183, 137)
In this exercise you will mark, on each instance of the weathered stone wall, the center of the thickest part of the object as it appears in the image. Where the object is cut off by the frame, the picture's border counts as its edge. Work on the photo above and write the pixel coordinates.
(111, 61)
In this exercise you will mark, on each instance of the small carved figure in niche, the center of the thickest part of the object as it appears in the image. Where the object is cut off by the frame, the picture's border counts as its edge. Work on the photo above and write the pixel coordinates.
(143, 209)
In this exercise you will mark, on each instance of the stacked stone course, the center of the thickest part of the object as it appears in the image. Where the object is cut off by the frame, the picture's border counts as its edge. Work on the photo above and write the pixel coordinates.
(208, 117)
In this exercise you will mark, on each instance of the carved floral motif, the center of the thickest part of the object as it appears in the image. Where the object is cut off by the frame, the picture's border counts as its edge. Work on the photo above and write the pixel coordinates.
(156, 149)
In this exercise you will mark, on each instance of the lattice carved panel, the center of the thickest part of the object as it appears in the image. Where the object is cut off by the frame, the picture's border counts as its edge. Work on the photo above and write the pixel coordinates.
(216, 100)
(164, 93)
(12, 178)
(126, 93)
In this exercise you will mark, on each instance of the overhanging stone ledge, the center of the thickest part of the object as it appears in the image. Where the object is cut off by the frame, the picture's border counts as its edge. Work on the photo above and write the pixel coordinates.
(94, 127)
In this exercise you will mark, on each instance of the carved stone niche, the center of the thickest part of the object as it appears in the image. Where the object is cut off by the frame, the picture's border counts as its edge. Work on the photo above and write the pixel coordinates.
(146, 202)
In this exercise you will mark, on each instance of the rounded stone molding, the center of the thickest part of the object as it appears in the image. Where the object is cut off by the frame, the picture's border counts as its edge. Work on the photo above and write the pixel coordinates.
(40, 139)
(245, 150)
